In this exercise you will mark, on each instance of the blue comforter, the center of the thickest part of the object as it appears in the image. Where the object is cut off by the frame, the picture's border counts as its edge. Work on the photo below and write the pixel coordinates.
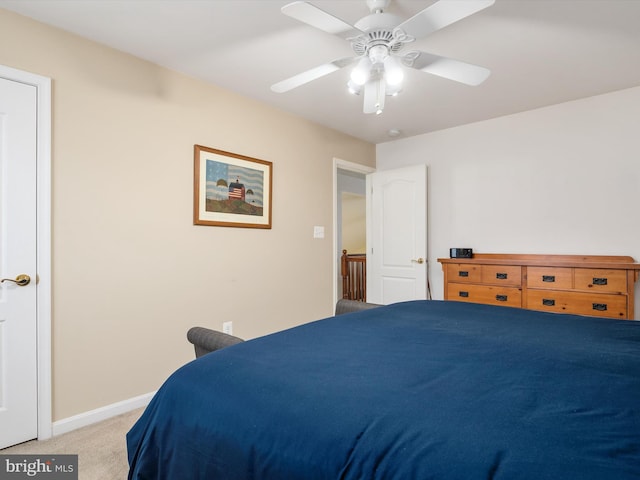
(416, 390)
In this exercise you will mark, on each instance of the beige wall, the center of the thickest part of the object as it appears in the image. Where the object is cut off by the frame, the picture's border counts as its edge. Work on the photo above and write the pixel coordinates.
(131, 273)
(562, 179)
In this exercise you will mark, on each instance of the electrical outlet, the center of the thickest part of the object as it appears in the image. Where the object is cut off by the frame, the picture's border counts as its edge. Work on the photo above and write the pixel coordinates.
(227, 327)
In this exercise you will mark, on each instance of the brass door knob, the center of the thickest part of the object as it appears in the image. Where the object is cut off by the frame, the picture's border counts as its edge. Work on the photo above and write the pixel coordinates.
(21, 280)
(419, 260)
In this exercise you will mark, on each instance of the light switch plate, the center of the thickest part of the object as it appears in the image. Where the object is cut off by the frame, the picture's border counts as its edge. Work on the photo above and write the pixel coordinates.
(318, 232)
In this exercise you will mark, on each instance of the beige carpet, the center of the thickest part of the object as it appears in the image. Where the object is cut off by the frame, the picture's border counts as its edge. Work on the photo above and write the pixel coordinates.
(101, 448)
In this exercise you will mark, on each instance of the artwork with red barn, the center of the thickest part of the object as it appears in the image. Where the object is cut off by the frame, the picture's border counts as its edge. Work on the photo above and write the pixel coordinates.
(231, 189)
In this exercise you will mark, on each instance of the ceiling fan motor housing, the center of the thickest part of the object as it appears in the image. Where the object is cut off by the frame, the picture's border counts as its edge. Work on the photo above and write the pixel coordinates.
(378, 31)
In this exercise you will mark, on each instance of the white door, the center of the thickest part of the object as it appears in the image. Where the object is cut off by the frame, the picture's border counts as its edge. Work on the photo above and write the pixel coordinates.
(18, 341)
(397, 235)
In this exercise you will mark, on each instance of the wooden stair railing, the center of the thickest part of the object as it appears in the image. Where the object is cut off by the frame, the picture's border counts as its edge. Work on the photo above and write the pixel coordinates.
(354, 276)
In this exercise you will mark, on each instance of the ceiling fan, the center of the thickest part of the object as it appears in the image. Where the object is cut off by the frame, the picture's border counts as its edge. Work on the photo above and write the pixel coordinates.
(378, 41)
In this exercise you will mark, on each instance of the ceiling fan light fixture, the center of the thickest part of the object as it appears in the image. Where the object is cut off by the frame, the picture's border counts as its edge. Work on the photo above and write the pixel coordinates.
(362, 71)
(393, 72)
(393, 90)
(354, 88)
(378, 53)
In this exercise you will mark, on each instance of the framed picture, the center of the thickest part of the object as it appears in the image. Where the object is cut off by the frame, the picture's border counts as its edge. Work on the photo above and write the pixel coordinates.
(231, 190)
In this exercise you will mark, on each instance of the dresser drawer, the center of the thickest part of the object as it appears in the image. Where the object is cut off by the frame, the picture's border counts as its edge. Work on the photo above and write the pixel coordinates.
(600, 280)
(596, 304)
(461, 272)
(502, 275)
(487, 294)
(550, 277)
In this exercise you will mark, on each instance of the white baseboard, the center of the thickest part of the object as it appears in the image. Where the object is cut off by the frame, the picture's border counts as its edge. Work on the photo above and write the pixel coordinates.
(100, 414)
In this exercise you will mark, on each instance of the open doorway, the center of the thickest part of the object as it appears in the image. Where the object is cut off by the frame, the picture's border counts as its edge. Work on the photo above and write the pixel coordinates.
(353, 222)
(349, 214)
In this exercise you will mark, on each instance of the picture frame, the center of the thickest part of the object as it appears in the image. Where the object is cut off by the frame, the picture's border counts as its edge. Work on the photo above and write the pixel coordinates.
(231, 190)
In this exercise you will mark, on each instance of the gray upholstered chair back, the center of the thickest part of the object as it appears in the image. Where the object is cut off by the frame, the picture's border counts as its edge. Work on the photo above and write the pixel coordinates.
(206, 340)
(348, 306)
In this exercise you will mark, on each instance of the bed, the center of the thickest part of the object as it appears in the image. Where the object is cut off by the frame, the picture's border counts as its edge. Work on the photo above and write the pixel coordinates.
(415, 390)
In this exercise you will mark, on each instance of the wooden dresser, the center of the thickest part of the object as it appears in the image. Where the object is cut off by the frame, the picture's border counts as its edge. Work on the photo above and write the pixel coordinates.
(592, 285)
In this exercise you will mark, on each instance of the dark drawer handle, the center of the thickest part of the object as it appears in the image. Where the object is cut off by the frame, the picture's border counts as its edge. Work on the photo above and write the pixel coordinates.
(462, 273)
(463, 294)
(548, 302)
(549, 278)
(599, 281)
(501, 276)
(601, 307)
(501, 298)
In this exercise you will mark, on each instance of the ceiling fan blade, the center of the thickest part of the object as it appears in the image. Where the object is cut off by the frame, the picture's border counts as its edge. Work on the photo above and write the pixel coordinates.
(440, 15)
(314, 16)
(456, 70)
(313, 74)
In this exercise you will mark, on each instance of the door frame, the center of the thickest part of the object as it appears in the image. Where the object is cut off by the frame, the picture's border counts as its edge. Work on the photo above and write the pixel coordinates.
(339, 164)
(43, 240)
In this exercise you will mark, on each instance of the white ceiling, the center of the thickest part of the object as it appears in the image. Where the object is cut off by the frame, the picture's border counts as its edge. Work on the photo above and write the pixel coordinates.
(540, 52)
